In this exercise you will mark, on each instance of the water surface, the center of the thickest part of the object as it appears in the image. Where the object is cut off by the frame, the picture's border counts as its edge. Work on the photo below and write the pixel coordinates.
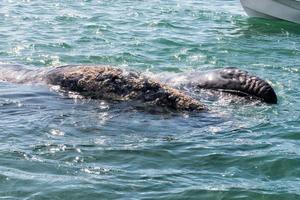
(54, 146)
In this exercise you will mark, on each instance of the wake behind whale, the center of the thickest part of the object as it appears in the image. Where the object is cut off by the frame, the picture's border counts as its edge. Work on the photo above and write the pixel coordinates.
(111, 83)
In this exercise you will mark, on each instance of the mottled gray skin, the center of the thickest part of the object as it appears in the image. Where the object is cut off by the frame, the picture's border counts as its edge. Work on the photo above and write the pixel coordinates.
(104, 82)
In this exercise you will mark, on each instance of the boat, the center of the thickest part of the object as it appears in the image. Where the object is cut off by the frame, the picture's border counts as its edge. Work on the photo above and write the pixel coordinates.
(288, 10)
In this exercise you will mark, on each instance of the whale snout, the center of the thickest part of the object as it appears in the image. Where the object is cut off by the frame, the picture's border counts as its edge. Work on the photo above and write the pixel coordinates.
(256, 87)
(267, 93)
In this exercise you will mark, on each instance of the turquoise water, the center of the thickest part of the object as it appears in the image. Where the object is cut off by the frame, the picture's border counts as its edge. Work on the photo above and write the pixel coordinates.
(56, 147)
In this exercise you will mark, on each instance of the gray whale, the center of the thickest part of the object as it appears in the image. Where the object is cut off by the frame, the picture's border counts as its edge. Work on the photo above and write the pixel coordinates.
(110, 83)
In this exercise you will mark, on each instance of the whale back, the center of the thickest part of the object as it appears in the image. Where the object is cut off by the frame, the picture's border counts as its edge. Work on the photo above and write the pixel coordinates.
(108, 83)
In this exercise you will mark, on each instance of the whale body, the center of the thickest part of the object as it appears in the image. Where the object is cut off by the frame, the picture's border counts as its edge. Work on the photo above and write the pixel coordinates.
(110, 83)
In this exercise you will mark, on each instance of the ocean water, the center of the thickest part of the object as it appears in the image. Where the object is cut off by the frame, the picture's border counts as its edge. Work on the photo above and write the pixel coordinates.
(54, 146)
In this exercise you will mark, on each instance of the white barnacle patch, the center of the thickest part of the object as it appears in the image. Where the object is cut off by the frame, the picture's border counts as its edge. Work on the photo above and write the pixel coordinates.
(55, 88)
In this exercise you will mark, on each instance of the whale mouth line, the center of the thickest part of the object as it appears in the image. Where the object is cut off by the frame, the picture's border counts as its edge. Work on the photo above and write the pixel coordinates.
(240, 94)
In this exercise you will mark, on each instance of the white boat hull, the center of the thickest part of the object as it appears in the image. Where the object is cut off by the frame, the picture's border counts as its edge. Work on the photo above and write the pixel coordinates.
(282, 9)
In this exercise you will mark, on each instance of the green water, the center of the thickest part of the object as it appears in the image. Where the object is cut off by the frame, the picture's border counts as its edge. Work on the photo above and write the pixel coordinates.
(56, 147)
